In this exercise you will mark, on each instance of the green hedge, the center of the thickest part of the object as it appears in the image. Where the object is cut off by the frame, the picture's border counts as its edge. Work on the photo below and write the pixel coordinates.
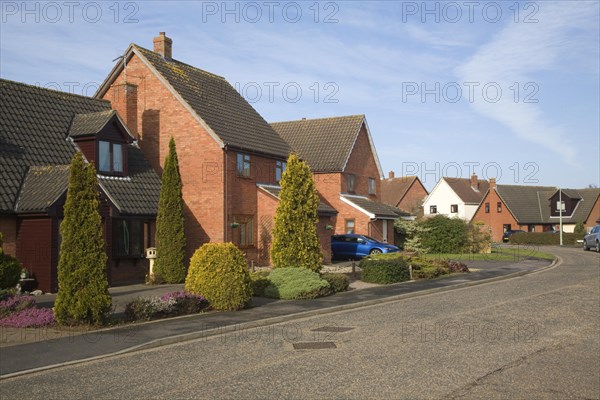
(540, 238)
(260, 281)
(296, 283)
(337, 282)
(385, 268)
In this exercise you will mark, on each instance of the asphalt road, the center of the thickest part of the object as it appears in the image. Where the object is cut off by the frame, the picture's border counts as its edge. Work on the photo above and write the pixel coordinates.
(536, 336)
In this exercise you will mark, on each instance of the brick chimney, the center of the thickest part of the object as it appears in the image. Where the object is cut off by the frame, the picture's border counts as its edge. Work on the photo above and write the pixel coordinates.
(492, 183)
(123, 98)
(474, 182)
(163, 45)
(391, 174)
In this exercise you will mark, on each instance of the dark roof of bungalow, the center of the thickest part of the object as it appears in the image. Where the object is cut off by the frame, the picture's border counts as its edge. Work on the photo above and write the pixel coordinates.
(35, 151)
(231, 120)
(90, 123)
(531, 204)
(324, 143)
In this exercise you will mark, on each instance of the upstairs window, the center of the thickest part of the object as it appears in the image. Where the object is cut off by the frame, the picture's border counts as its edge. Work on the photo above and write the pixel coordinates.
(243, 165)
(349, 226)
(371, 186)
(280, 167)
(487, 208)
(351, 181)
(499, 207)
(110, 157)
(432, 209)
(454, 208)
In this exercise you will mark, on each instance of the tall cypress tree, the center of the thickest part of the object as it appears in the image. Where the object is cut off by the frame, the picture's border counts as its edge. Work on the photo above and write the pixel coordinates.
(170, 236)
(82, 283)
(295, 240)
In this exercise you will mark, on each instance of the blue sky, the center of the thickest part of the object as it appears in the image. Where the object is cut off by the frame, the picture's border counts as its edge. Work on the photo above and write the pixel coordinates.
(507, 89)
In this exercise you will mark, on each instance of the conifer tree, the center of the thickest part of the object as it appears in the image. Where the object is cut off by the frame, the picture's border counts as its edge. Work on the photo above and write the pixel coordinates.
(82, 283)
(295, 240)
(170, 236)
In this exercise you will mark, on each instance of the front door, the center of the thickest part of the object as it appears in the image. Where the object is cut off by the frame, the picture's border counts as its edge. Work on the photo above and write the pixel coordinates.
(385, 231)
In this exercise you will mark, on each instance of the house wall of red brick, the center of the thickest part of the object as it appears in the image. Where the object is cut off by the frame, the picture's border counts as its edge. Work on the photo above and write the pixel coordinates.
(495, 220)
(413, 199)
(594, 215)
(159, 117)
(8, 227)
(363, 166)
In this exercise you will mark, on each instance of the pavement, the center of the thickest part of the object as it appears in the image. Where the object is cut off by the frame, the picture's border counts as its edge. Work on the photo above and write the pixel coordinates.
(45, 351)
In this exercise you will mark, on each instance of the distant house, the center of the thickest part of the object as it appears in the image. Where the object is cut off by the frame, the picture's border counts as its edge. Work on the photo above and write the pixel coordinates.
(406, 193)
(225, 147)
(346, 170)
(536, 208)
(40, 131)
(455, 197)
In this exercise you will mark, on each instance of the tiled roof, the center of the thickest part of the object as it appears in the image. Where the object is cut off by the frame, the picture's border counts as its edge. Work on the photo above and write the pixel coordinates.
(34, 125)
(463, 189)
(393, 190)
(227, 113)
(325, 143)
(90, 123)
(379, 210)
(42, 187)
(584, 206)
(138, 193)
(323, 208)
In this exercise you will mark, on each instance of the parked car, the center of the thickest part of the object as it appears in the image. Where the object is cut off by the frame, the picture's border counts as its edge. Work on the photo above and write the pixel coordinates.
(351, 246)
(508, 234)
(592, 239)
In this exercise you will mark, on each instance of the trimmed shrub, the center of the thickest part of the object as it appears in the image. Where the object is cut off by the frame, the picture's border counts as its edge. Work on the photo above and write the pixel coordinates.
(445, 235)
(168, 305)
(260, 280)
(385, 268)
(169, 266)
(295, 240)
(219, 272)
(10, 269)
(296, 283)
(82, 283)
(337, 282)
(544, 238)
(430, 269)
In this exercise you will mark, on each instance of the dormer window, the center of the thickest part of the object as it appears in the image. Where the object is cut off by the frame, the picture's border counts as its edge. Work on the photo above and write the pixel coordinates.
(110, 157)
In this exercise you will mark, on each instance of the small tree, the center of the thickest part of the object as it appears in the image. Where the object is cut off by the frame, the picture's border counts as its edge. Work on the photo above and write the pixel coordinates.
(295, 240)
(170, 236)
(82, 284)
(579, 228)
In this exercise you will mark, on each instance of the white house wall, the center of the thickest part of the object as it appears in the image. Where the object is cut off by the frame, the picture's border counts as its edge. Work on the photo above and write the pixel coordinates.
(443, 197)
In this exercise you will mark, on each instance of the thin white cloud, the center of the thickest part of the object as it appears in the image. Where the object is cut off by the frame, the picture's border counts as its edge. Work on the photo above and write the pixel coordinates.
(518, 54)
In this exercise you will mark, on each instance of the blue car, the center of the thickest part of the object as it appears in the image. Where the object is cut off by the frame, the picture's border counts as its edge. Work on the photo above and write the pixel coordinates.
(344, 247)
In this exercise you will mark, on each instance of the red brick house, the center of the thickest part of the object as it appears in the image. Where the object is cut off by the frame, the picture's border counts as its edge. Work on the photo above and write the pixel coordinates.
(346, 170)
(406, 193)
(535, 208)
(40, 131)
(225, 148)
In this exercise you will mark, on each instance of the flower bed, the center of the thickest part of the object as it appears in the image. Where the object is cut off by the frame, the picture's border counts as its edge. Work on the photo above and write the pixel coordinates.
(20, 312)
(168, 305)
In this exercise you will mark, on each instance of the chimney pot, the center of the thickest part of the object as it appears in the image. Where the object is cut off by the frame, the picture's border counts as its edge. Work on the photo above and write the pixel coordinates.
(163, 45)
(392, 174)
